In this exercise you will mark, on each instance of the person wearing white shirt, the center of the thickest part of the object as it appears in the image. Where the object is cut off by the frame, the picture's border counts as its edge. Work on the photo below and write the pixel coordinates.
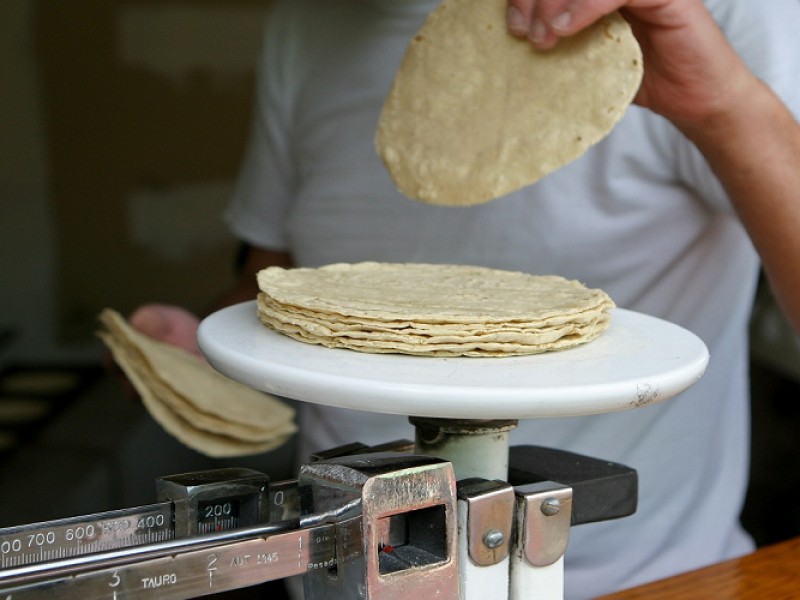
(673, 214)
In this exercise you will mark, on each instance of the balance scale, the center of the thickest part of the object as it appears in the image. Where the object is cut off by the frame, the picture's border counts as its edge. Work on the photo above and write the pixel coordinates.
(457, 514)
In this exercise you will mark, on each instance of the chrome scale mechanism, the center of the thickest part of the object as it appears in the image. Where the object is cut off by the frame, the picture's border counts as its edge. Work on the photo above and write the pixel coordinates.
(359, 522)
(226, 529)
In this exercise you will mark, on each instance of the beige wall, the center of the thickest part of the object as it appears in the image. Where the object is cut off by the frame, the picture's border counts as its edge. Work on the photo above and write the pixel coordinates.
(26, 232)
(122, 127)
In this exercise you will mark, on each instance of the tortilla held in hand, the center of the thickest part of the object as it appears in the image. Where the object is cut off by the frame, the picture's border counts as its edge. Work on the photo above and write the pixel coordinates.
(475, 113)
(197, 405)
(431, 310)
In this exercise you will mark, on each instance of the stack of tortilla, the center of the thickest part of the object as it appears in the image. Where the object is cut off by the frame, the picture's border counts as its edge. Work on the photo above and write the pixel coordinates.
(431, 310)
(196, 404)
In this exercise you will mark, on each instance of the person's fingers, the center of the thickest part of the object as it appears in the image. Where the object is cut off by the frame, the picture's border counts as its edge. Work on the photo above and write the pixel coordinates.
(519, 14)
(544, 22)
(524, 20)
(533, 20)
(150, 320)
(170, 324)
(569, 17)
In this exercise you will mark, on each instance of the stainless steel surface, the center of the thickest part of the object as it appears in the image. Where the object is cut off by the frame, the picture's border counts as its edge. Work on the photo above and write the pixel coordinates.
(490, 520)
(544, 511)
(369, 526)
(193, 504)
(76, 536)
(211, 501)
(409, 536)
(376, 525)
(180, 569)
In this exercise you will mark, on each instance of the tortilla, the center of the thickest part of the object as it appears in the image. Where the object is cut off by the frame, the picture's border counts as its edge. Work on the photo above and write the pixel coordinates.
(434, 310)
(196, 404)
(475, 113)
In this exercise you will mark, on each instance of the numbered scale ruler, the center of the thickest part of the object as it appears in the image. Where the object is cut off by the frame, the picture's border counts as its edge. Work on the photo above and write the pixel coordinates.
(101, 532)
(216, 531)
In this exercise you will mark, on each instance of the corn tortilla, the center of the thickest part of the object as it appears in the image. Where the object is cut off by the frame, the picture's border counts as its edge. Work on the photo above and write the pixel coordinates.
(196, 404)
(475, 113)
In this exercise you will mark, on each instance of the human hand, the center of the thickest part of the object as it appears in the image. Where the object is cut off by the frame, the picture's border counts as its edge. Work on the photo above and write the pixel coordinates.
(691, 74)
(170, 324)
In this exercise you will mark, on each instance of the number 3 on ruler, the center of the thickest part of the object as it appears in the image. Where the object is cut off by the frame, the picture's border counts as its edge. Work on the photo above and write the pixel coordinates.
(115, 581)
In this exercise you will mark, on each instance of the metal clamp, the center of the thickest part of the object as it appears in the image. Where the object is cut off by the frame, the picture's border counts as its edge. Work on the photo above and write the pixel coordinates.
(408, 506)
(544, 511)
(206, 500)
(490, 519)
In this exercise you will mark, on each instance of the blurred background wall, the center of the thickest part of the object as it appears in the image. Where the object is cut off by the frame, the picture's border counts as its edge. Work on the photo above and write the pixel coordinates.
(123, 123)
(122, 126)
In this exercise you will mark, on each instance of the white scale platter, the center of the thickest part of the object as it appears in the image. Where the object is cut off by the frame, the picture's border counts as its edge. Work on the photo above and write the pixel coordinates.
(637, 361)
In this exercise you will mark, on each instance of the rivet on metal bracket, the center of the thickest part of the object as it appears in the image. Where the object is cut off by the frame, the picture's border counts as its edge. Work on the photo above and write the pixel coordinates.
(544, 511)
(490, 517)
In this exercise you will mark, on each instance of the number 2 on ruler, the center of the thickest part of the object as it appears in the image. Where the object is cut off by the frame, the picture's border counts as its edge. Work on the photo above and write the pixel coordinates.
(212, 566)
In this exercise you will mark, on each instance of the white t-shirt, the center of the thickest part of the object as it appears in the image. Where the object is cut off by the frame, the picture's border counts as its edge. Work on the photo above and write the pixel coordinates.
(639, 215)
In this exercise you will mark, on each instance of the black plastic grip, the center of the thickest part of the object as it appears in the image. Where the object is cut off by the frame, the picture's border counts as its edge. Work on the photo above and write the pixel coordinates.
(601, 490)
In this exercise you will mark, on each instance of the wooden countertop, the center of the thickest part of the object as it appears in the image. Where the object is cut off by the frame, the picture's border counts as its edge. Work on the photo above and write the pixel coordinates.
(772, 572)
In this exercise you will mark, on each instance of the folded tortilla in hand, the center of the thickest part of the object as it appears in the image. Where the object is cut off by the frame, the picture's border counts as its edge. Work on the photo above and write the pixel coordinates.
(196, 404)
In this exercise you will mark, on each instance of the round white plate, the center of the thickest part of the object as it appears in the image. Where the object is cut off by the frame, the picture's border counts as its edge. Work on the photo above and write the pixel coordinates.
(639, 360)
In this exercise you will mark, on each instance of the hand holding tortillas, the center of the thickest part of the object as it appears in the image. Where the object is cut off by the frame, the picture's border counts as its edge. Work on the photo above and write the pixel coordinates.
(196, 404)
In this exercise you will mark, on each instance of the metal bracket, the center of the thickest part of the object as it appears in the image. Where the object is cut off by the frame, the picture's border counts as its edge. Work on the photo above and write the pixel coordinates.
(490, 519)
(544, 511)
(206, 498)
(408, 506)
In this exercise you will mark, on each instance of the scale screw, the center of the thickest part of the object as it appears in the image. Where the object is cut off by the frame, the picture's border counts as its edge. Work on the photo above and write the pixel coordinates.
(493, 539)
(551, 506)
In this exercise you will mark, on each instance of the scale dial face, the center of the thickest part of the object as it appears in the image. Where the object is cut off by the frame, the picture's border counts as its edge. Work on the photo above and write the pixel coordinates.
(639, 360)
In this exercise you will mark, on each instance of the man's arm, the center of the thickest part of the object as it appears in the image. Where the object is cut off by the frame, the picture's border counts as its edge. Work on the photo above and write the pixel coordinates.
(755, 152)
(696, 80)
